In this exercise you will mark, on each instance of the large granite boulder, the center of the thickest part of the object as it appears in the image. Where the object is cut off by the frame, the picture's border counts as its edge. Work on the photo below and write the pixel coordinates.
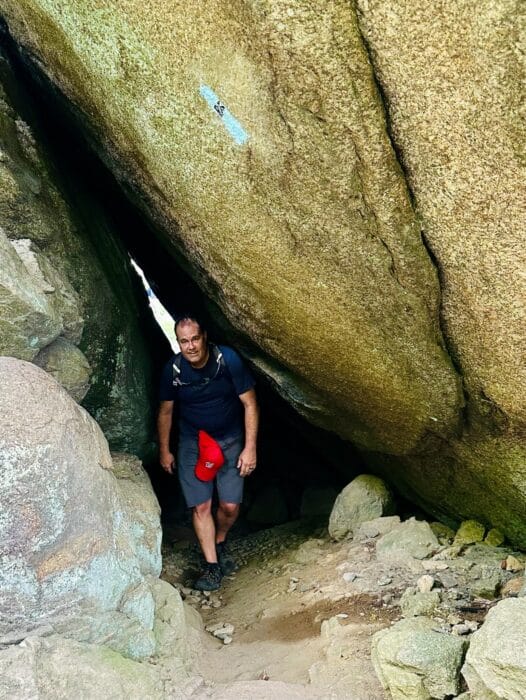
(495, 663)
(365, 498)
(453, 85)
(259, 143)
(78, 546)
(69, 299)
(415, 662)
(292, 199)
(54, 667)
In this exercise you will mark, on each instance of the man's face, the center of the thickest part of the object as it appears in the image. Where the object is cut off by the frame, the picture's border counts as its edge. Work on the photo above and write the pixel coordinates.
(192, 342)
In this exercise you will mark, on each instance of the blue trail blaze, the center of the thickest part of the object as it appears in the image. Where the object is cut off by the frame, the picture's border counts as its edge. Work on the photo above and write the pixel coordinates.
(232, 125)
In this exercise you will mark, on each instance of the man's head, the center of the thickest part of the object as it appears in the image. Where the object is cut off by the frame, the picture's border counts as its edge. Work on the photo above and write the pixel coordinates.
(192, 340)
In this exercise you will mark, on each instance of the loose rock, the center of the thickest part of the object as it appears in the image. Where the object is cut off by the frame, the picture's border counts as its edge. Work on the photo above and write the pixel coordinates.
(365, 498)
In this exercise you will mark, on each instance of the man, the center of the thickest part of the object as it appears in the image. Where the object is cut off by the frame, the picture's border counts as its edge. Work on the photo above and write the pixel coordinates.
(215, 393)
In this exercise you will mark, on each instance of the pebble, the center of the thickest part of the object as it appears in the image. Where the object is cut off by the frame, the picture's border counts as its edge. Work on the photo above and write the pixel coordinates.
(385, 581)
(227, 639)
(216, 604)
(225, 627)
(454, 619)
(460, 629)
(387, 598)
(513, 564)
(431, 565)
(425, 583)
(349, 576)
(224, 632)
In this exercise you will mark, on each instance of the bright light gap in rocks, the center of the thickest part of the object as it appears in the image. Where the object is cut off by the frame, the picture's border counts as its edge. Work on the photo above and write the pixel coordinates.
(161, 315)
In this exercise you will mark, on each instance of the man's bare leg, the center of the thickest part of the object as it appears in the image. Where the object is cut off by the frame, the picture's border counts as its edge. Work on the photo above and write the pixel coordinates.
(205, 530)
(226, 516)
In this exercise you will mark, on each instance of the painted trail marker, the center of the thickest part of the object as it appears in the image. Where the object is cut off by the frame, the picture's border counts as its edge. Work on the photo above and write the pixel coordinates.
(232, 125)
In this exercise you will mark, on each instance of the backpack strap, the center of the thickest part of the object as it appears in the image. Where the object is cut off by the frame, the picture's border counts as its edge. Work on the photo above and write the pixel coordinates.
(176, 367)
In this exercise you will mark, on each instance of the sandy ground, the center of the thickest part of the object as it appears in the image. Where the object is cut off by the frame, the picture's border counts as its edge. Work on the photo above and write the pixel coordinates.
(288, 586)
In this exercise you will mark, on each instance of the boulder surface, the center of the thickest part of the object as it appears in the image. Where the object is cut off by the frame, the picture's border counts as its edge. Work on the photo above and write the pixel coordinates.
(370, 250)
(69, 299)
(74, 545)
(365, 498)
(495, 663)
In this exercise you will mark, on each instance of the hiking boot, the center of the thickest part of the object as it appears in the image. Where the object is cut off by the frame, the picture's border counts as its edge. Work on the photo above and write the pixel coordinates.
(210, 579)
(225, 560)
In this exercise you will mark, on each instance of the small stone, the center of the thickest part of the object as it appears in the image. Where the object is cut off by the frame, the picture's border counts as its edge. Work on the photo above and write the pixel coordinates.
(494, 538)
(512, 587)
(227, 630)
(485, 587)
(227, 639)
(186, 591)
(416, 604)
(472, 625)
(425, 583)
(387, 598)
(454, 619)
(513, 564)
(216, 604)
(460, 629)
(442, 532)
(385, 581)
(432, 565)
(349, 576)
(330, 628)
(469, 532)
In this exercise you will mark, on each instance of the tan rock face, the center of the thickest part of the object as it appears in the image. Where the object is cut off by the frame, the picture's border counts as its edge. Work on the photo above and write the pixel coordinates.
(454, 83)
(255, 135)
(305, 232)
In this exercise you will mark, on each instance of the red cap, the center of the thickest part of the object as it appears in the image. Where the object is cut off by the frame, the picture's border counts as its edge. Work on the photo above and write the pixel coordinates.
(210, 458)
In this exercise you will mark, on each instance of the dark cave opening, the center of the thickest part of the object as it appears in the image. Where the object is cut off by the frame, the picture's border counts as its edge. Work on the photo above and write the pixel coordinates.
(301, 467)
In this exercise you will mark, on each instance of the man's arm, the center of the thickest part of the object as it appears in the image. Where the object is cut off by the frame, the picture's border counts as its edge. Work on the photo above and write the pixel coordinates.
(247, 459)
(164, 426)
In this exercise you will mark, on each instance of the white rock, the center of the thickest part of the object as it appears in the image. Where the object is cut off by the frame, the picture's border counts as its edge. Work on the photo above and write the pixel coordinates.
(425, 583)
(349, 576)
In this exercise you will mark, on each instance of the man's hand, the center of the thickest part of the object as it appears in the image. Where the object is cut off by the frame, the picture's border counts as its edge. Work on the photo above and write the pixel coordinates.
(167, 461)
(247, 461)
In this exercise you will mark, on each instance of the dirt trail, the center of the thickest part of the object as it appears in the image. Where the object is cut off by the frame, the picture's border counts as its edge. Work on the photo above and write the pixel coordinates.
(289, 584)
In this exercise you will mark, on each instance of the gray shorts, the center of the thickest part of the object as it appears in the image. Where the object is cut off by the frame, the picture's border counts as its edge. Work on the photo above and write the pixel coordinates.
(229, 482)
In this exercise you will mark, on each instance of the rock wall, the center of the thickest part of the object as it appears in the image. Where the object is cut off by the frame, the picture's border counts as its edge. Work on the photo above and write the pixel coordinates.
(80, 555)
(68, 297)
(256, 137)
(73, 540)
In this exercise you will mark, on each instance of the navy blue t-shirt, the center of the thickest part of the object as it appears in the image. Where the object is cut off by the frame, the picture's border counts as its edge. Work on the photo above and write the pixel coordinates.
(213, 406)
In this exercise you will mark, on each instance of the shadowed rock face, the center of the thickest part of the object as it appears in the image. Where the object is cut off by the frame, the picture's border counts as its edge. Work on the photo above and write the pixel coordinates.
(287, 199)
(69, 300)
